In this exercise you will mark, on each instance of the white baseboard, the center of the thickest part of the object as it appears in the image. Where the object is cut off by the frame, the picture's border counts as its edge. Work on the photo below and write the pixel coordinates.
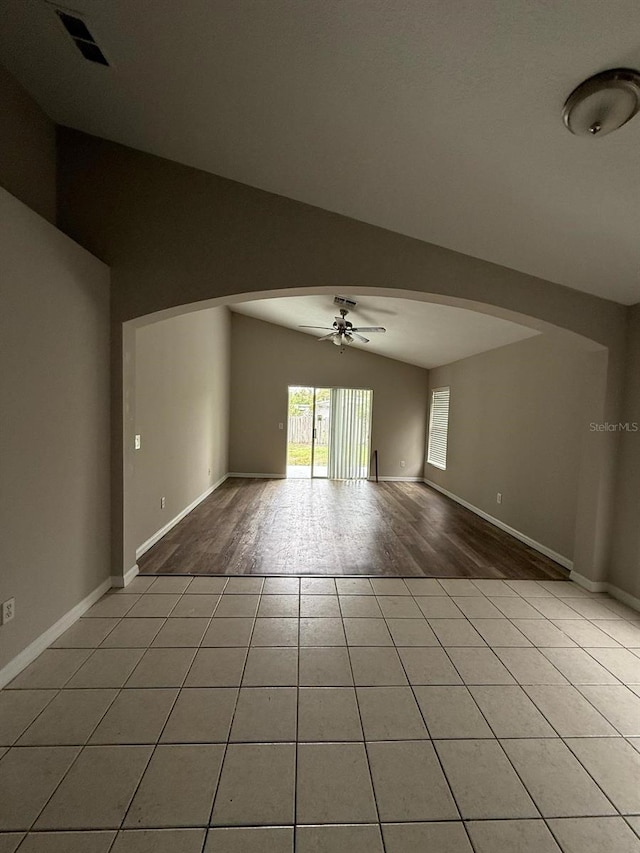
(396, 479)
(120, 582)
(585, 583)
(157, 536)
(28, 655)
(624, 597)
(604, 586)
(537, 546)
(259, 476)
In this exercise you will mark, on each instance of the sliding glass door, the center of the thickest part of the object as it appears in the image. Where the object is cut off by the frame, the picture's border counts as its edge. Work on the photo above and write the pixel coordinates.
(329, 432)
(307, 431)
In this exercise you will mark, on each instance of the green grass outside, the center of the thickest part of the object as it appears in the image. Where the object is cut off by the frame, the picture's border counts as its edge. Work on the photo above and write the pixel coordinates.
(300, 454)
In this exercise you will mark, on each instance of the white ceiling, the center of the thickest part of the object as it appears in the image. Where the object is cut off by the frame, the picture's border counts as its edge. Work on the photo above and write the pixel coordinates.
(419, 333)
(433, 118)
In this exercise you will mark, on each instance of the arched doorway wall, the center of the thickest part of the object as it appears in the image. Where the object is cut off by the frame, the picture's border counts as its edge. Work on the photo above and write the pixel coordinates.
(595, 499)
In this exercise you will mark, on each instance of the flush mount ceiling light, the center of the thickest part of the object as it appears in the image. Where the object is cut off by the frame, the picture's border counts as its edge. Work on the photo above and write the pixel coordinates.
(603, 103)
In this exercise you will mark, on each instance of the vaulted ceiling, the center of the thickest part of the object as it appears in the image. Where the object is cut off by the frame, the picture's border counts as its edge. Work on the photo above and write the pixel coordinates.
(420, 333)
(436, 119)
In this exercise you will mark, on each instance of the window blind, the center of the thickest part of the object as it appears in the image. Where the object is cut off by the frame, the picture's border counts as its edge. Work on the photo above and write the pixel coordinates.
(438, 428)
(350, 433)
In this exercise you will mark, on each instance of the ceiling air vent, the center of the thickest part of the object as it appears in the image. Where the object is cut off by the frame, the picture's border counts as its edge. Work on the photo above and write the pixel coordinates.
(82, 37)
(344, 301)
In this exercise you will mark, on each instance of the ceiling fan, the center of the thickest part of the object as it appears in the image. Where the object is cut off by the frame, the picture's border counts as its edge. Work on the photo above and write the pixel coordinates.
(342, 332)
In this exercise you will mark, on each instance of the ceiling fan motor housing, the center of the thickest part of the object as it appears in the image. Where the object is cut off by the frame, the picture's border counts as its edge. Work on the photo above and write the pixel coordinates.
(344, 332)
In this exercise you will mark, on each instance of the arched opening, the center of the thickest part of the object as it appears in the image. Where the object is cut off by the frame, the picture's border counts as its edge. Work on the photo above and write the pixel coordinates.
(592, 355)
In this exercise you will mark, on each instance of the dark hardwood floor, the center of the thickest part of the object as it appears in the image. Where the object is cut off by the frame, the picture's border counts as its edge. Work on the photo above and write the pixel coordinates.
(340, 528)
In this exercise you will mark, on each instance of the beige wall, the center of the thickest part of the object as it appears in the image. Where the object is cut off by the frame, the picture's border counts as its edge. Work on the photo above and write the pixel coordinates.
(626, 554)
(27, 148)
(54, 451)
(516, 420)
(266, 359)
(181, 413)
(175, 235)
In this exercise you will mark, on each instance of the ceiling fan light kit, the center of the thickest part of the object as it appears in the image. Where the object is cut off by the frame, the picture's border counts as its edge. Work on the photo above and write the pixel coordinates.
(603, 103)
(342, 332)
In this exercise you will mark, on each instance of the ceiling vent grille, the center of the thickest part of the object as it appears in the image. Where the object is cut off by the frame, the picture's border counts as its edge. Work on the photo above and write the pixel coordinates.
(82, 37)
(344, 301)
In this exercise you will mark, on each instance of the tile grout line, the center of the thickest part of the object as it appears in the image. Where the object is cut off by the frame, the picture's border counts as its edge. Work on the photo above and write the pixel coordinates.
(56, 691)
(224, 750)
(317, 687)
(253, 825)
(232, 718)
(435, 751)
(364, 742)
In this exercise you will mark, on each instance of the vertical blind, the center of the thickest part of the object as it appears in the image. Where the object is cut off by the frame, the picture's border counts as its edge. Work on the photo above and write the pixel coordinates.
(350, 433)
(438, 428)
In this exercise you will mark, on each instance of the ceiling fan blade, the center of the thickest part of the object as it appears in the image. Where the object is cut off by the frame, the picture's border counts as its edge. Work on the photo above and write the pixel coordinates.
(360, 337)
(327, 337)
(369, 329)
(314, 327)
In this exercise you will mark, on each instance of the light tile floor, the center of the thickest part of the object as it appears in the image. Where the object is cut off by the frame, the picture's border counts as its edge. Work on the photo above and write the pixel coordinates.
(244, 715)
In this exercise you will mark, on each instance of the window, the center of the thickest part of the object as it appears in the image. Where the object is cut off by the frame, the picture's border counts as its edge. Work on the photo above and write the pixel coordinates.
(438, 428)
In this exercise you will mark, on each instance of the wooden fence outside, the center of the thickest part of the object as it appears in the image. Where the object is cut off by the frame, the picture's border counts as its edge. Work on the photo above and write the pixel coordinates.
(301, 429)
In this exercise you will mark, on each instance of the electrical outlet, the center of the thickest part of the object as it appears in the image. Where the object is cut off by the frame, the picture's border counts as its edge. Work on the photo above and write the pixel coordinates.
(137, 444)
(499, 498)
(402, 463)
(281, 425)
(8, 610)
(163, 502)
